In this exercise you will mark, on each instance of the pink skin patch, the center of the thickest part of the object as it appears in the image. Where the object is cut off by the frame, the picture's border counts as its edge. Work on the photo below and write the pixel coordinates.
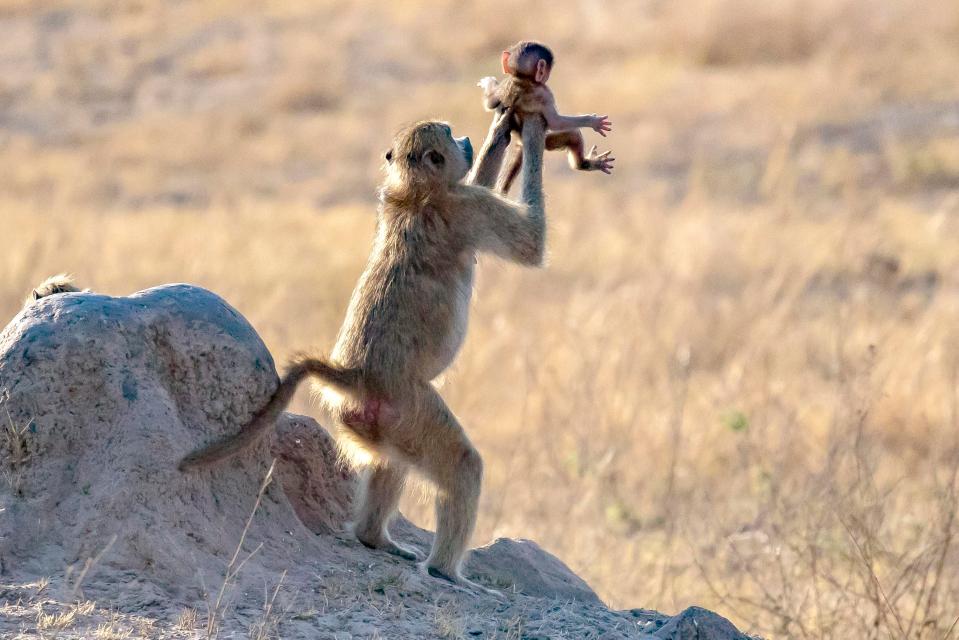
(368, 420)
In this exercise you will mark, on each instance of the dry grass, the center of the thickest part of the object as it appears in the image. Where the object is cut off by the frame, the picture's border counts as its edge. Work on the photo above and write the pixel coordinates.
(217, 608)
(62, 618)
(26, 613)
(449, 623)
(735, 385)
(186, 620)
(16, 451)
(55, 621)
(112, 631)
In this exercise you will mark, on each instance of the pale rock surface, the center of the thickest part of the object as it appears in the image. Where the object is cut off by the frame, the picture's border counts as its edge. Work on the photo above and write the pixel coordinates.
(105, 394)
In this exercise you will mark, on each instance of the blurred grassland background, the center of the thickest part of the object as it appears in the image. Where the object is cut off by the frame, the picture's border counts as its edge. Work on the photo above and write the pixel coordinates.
(735, 385)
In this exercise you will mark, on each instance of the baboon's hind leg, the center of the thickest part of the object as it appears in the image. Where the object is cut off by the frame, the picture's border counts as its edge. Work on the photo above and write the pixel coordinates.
(452, 463)
(380, 490)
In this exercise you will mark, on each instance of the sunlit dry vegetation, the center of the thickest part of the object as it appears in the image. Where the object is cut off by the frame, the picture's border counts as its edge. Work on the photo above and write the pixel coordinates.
(735, 385)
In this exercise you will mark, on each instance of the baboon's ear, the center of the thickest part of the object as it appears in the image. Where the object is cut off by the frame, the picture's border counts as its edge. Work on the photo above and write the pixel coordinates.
(541, 70)
(36, 294)
(506, 68)
(434, 158)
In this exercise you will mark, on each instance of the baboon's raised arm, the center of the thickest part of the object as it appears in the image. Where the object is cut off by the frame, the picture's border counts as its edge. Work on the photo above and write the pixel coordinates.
(487, 165)
(515, 231)
(534, 141)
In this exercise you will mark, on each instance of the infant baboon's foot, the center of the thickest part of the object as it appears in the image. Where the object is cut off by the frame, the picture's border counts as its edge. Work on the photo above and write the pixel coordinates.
(383, 542)
(598, 161)
(455, 578)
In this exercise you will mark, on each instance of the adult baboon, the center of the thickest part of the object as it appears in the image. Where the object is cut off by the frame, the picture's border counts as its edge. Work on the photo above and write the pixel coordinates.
(60, 283)
(405, 323)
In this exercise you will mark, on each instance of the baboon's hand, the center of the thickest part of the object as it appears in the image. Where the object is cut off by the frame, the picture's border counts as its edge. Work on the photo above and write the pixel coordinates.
(488, 84)
(601, 124)
(599, 161)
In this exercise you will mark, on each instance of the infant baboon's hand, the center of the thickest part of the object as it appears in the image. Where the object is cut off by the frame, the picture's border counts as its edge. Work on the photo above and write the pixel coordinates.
(601, 124)
(488, 84)
(599, 161)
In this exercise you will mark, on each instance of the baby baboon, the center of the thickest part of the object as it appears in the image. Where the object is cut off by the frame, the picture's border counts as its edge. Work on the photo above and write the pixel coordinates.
(527, 66)
(405, 324)
(60, 283)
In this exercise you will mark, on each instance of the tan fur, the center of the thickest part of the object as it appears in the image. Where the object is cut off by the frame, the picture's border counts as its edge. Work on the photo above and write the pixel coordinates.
(60, 283)
(524, 91)
(404, 326)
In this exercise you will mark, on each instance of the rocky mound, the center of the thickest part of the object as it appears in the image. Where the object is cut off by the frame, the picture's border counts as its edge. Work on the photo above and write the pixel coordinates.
(99, 398)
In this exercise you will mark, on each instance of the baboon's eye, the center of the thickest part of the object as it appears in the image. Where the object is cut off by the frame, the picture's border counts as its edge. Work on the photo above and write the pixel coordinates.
(435, 157)
(389, 156)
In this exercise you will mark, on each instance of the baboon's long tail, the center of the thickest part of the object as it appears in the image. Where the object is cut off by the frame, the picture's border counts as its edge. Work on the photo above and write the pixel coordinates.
(342, 379)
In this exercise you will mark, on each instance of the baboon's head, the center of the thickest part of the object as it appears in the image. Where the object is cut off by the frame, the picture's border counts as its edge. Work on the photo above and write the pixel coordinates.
(61, 283)
(425, 156)
(528, 59)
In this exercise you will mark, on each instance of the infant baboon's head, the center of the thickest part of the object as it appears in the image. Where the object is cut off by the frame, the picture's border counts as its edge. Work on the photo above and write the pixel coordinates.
(528, 59)
(425, 155)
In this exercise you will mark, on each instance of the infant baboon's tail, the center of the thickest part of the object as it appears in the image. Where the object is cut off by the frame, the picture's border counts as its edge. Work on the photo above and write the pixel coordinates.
(342, 379)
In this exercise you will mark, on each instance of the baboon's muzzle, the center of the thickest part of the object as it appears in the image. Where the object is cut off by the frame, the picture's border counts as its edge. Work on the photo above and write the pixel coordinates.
(467, 148)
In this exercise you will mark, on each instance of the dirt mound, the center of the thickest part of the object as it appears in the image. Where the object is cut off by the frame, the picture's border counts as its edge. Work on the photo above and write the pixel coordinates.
(100, 398)
(108, 393)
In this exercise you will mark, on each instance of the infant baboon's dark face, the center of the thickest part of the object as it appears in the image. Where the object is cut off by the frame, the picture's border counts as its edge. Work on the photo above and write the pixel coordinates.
(428, 152)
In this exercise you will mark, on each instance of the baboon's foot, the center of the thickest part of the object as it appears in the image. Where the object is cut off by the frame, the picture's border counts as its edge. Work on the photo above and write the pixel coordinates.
(598, 161)
(455, 578)
(384, 543)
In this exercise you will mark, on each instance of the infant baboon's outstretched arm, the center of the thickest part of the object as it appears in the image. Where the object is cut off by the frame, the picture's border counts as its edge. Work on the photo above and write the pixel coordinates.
(555, 121)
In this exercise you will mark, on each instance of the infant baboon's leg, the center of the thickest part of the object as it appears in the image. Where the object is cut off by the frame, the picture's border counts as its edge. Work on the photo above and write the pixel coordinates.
(572, 141)
(489, 160)
(380, 489)
(514, 162)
